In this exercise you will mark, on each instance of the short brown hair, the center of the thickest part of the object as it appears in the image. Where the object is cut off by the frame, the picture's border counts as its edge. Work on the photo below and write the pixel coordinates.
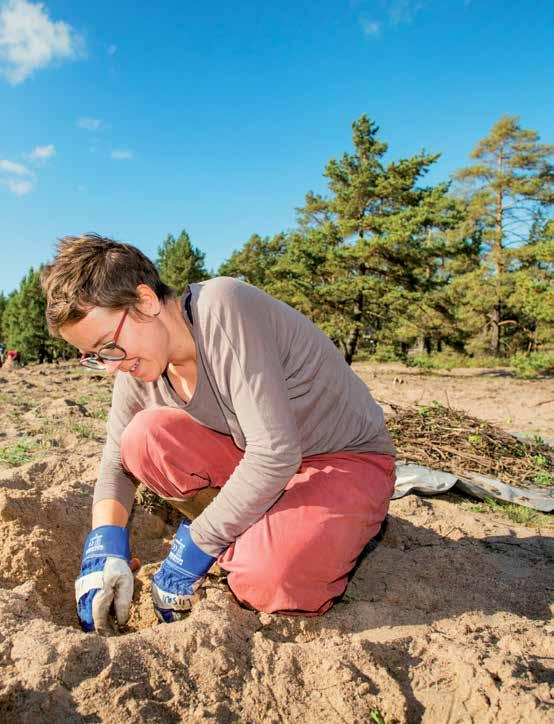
(94, 271)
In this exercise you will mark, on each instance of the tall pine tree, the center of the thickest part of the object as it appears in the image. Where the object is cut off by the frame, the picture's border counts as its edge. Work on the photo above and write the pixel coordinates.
(509, 184)
(385, 232)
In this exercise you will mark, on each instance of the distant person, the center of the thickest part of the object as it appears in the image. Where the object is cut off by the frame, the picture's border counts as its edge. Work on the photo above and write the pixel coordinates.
(13, 358)
(222, 390)
(2, 353)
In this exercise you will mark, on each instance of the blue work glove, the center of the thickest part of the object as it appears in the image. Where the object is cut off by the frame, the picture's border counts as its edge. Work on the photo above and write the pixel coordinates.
(105, 578)
(175, 585)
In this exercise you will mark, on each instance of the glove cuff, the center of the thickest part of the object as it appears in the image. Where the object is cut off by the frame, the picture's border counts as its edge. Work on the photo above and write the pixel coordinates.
(186, 557)
(107, 541)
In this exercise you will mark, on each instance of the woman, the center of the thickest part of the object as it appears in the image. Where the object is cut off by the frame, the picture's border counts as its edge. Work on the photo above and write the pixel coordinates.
(239, 411)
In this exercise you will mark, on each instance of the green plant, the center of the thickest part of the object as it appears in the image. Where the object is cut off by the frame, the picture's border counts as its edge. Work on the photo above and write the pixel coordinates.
(20, 452)
(426, 362)
(533, 364)
(83, 431)
(544, 478)
(384, 353)
(376, 717)
(519, 513)
(99, 414)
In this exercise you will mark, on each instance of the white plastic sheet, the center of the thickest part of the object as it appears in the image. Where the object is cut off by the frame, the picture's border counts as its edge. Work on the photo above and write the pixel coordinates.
(411, 478)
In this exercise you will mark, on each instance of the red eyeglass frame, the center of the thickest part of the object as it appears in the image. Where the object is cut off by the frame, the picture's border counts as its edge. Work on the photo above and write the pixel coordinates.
(112, 344)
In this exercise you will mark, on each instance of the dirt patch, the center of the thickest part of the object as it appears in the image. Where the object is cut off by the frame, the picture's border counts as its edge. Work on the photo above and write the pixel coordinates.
(447, 620)
(525, 406)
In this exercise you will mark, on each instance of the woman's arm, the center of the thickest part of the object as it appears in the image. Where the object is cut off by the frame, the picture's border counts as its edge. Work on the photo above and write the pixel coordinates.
(245, 363)
(109, 512)
(115, 490)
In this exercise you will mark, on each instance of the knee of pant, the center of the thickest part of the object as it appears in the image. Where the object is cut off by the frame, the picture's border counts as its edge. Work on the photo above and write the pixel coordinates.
(137, 435)
(262, 576)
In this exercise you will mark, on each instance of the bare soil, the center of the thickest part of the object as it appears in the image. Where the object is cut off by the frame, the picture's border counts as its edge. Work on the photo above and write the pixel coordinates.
(448, 620)
(516, 405)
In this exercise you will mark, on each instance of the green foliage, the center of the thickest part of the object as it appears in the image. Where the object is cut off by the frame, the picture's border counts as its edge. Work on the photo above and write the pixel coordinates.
(24, 324)
(544, 477)
(255, 261)
(449, 359)
(20, 452)
(3, 302)
(370, 247)
(509, 185)
(384, 353)
(389, 267)
(84, 431)
(180, 263)
(516, 513)
(533, 364)
(386, 266)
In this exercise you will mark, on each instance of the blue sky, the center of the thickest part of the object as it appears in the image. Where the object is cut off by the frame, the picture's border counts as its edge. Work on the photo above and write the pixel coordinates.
(137, 119)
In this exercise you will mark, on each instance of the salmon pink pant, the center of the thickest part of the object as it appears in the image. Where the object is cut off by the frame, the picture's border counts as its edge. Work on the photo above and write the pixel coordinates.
(297, 557)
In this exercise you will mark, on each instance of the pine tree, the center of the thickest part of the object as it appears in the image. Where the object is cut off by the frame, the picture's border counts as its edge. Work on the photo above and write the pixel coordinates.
(532, 290)
(24, 323)
(180, 263)
(510, 183)
(255, 261)
(384, 233)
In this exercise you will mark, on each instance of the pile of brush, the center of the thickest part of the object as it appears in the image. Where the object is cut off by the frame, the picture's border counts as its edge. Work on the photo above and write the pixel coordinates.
(445, 439)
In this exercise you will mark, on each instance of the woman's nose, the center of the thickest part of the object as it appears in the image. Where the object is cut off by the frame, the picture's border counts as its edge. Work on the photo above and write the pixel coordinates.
(112, 366)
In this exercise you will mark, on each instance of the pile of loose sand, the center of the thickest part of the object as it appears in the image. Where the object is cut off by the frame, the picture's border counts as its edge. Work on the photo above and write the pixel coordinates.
(446, 621)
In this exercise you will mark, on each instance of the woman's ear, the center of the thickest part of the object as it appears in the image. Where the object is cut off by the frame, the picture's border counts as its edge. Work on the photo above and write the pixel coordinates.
(149, 304)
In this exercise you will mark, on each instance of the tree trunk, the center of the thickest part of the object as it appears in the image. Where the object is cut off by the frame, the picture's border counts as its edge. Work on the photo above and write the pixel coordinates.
(494, 339)
(496, 316)
(354, 336)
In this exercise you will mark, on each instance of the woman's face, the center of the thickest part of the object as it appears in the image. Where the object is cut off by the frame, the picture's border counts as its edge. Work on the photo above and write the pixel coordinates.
(145, 340)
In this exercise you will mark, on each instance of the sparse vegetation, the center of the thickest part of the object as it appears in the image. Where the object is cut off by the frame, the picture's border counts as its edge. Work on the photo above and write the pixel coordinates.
(515, 513)
(20, 452)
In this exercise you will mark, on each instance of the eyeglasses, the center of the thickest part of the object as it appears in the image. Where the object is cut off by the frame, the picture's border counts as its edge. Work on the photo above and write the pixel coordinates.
(109, 352)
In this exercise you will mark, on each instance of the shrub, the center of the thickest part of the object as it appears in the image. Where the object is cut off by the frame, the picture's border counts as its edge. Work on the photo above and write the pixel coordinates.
(533, 364)
(384, 353)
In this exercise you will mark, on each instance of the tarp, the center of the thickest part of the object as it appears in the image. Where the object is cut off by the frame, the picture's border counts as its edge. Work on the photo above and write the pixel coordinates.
(411, 478)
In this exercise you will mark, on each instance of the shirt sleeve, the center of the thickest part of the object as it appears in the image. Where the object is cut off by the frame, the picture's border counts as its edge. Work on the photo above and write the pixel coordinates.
(243, 356)
(113, 482)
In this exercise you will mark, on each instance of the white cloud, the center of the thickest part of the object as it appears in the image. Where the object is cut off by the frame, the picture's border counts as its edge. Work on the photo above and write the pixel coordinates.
(112, 49)
(89, 124)
(16, 177)
(370, 27)
(29, 40)
(41, 153)
(122, 155)
(19, 188)
(16, 169)
(402, 11)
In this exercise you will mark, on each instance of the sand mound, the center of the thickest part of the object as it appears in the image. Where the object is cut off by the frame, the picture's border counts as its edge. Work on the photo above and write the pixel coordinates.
(446, 621)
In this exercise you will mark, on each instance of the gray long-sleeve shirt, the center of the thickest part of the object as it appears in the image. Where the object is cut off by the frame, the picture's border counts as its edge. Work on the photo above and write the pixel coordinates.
(269, 378)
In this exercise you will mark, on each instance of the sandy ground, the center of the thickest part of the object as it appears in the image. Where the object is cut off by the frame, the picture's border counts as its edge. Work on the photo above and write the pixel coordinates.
(448, 620)
(525, 406)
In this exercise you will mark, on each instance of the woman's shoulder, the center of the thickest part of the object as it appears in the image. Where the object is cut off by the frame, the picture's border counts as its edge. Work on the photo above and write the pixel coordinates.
(221, 295)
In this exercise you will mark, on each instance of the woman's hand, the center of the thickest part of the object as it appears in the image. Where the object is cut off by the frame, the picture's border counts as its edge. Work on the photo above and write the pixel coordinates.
(175, 586)
(106, 577)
